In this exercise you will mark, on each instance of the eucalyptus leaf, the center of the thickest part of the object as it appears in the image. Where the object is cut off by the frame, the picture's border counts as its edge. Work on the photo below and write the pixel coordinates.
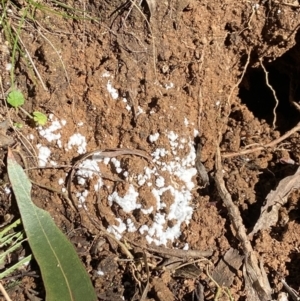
(63, 273)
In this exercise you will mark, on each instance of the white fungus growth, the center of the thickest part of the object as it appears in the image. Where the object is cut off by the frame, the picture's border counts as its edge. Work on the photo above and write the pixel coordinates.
(106, 74)
(48, 133)
(128, 203)
(113, 92)
(154, 137)
(79, 141)
(100, 273)
(130, 225)
(8, 66)
(43, 155)
(81, 198)
(7, 190)
(87, 170)
(117, 230)
(160, 182)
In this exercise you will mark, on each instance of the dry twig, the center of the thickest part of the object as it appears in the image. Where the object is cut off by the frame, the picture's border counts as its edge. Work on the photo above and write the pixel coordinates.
(273, 91)
(268, 145)
(260, 287)
(176, 252)
(4, 293)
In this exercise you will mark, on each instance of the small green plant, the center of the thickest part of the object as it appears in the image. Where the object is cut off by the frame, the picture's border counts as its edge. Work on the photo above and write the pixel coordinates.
(16, 99)
(10, 241)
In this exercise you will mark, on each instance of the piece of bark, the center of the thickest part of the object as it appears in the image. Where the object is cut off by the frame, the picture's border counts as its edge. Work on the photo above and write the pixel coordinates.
(227, 268)
(275, 200)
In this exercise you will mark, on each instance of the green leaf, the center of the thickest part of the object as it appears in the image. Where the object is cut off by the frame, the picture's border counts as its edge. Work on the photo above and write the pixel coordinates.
(18, 125)
(16, 98)
(39, 118)
(63, 274)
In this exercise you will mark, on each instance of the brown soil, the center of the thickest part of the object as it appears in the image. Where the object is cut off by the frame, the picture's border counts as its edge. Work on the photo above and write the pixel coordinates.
(191, 73)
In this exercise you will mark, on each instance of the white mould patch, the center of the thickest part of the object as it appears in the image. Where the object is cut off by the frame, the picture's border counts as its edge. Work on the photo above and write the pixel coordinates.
(100, 273)
(49, 133)
(128, 202)
(154, 137)
(117, 230)
(81, 196)
(179, 194)
(87, 170)
(112, 91)
(79, 141)
(43, 155)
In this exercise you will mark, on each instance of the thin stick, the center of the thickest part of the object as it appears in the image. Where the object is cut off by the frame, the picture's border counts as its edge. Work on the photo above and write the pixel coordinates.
(273, 91)
(259, 148)
(4, 293)
(175, 252)
(259, 281)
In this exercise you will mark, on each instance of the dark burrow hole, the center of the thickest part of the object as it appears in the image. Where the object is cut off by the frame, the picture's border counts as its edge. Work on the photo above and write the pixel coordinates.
(284, 77)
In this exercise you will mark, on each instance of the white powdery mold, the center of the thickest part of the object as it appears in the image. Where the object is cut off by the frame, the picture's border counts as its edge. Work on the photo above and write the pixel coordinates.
(154, 137)
(106, 74)
(139, 111)
(143, 229)
(113, 92)
(159, 153)
(172, 136)
(130, 225)
(98, 185)
(128, 202)
(160, 182)
(186, 247)
(81, 198)
(48, 133)
(158, 224)
(87, 169)
(141, 180)
(79, 141)
(100, 273)
(180, 209)
(7, 190)
(106, 160)
(157, 233)
(117, 230)
(157, 193)
(147, 211)
(186, 121)
(8, 66)
(169, 86)
(44, 154)
(117, 165)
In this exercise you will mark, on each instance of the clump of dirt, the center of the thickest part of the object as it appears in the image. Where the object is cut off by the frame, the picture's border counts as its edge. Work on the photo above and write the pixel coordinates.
(158, 82)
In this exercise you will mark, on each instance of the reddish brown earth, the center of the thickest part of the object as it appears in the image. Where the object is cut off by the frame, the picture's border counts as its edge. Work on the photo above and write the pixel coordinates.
(192, 73)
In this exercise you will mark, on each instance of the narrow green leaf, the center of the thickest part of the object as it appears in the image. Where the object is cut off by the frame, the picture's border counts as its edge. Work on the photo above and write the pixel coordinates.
(15, 98)
(19, 264)
(63, 274)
